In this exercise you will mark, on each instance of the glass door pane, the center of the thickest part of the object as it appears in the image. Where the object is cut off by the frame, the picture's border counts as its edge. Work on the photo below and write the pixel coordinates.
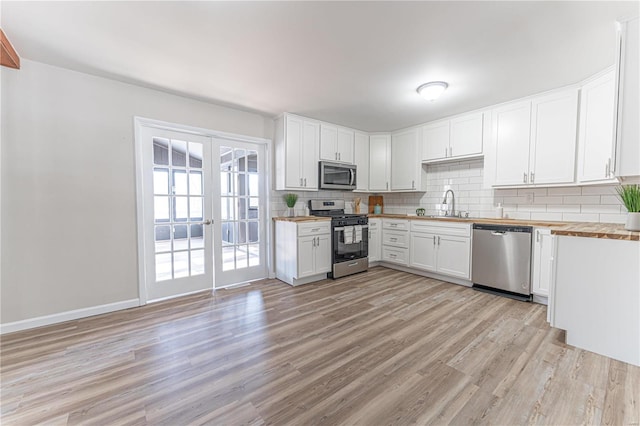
(179, 255)
(242, 247)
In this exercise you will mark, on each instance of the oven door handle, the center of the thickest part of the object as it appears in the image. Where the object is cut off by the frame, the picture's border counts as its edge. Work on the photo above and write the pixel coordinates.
(341, 228)
(353, 177)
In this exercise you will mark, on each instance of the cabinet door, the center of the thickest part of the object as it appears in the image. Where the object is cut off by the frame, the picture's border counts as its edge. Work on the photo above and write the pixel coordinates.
(404, 163)
(542, 253)
(322, 254)
(454, 255)
(435, 141)
(554, 120)
(306, 253)
(596, 128)
(345, 145)
(466, 135)
(379, 164)
(628, 135)
(423, 251)
(361, 160)
(374, 244)
(512, 130)
(293, 146)
(328, 142)
(309, 155)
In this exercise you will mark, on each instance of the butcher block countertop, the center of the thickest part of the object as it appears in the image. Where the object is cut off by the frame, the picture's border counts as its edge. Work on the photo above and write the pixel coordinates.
(301, 219)
(612, 231)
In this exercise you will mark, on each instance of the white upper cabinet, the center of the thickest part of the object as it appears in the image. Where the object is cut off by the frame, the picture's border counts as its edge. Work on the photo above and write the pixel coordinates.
(405, 168)
(435, 141)
(554, 120)
(596, 134)
(628, 134)
(535, 140)
(296, 153)
(460, 137)
(512, 133)
(346, 145)
(328, 142)
(379, 162)
(336, 143)
(361, 160)
(466, 135)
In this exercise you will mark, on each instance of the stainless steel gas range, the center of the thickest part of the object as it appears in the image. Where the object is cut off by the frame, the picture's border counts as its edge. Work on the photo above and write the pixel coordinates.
(349, 237)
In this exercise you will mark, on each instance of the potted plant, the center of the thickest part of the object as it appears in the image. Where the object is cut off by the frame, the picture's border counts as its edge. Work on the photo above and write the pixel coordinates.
(291, 200)
(630, 197)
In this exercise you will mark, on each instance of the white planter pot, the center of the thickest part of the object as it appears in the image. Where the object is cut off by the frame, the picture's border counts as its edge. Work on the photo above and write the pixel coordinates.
(633, 222)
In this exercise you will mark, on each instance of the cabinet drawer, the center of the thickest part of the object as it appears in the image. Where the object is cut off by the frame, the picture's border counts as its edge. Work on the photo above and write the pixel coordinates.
(395, 238)
(441, 227)
(374, 223)
(314, 228)
(395, 255)
(397, 224)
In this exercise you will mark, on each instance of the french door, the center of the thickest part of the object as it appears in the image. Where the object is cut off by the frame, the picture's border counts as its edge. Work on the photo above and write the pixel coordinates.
(240, 250)
(201, 212)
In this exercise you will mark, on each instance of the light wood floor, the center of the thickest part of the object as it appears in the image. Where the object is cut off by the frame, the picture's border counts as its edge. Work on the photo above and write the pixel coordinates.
(383, 347)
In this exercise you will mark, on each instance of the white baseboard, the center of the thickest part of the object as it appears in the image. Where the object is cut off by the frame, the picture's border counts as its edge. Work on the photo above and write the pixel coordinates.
(12, 327)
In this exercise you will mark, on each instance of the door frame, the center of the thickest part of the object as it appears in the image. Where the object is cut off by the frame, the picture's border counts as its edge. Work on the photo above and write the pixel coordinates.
(138, 124)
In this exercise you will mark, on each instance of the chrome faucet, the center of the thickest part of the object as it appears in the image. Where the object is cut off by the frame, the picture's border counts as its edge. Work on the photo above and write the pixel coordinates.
(453, 203)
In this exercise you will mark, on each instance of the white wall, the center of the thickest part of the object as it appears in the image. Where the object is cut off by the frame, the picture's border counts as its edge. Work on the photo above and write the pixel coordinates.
(68, 184)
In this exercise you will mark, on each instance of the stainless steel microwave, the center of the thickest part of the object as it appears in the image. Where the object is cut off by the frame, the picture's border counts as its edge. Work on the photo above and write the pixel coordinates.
(337, 176)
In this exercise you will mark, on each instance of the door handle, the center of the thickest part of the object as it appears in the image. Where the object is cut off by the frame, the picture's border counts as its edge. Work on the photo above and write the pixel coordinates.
(207, 222)
(499, 233)
(353, 176)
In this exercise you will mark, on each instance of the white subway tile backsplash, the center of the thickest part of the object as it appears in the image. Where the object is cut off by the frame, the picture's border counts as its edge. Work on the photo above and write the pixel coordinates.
(563, 208)
(568, 190)
(613, 218)
(582, 199)
(580, 217)
(586, 203)
(546, 216)
(600, 208)
(609, 199)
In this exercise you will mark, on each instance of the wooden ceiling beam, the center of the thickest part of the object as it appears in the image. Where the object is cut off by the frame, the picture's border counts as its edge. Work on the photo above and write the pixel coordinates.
(8, 56)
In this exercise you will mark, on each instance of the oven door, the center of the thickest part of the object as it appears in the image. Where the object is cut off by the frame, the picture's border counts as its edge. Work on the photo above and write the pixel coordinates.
(349, 243)
(337, 176)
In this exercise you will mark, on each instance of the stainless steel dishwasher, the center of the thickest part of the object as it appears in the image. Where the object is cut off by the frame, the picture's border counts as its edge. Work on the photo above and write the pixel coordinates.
(501, 260)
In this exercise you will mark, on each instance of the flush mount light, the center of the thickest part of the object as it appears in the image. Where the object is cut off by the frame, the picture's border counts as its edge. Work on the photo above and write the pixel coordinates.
(432, 90)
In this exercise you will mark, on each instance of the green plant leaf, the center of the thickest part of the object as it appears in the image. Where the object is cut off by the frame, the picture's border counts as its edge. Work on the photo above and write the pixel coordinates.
(630, 197)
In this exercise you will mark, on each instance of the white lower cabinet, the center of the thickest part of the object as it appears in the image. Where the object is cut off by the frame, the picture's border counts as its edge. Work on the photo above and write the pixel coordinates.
(395, 241)
(303, 251)
(542, 262)
(374, 240)
(595, 295)
(442, 247)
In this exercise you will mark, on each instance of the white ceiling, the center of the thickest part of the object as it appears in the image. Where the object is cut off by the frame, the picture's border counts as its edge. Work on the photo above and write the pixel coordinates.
(351, 63)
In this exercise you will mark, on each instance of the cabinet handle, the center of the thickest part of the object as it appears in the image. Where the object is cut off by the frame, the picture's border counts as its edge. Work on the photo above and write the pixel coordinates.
(301, 182)
(305, 182)
(537, 236)
(434, 240)
(446, 150)
(607, 168)
(531, 177)
(393, 255)
(438, 239)
(340, 156)
(393, 240)
(318, 241)
(413, 184)
(387, 186)
(450, 151)
(524, 179)
(393, 225)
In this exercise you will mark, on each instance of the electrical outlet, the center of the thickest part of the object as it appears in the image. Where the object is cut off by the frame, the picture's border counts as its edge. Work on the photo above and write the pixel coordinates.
(530, 197)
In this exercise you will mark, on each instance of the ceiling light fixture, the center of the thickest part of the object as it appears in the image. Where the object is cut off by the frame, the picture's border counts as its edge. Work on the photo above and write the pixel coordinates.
(432, 90)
